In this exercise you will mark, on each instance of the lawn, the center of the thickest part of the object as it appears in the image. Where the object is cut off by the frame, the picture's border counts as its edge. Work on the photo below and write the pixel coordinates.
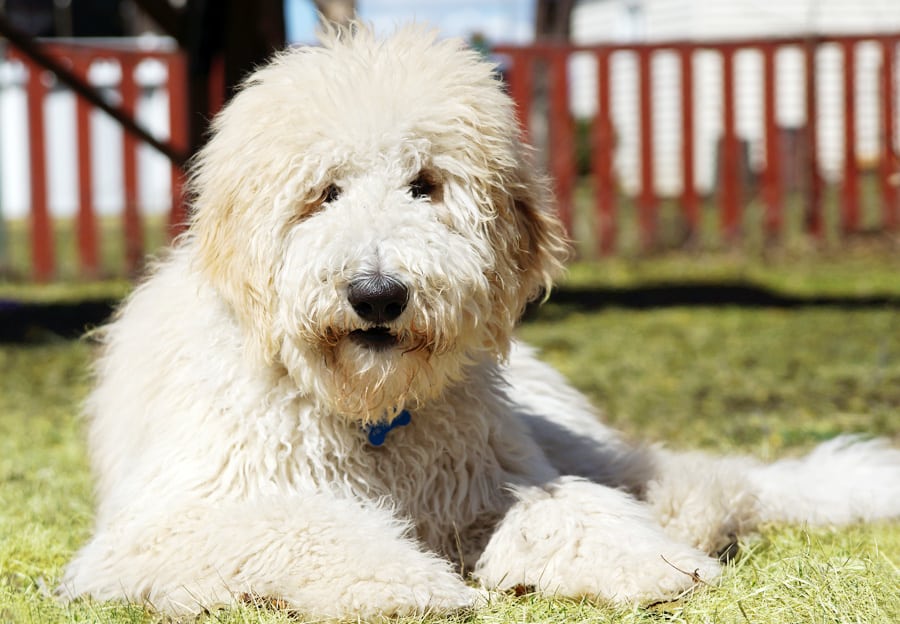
(767, 382)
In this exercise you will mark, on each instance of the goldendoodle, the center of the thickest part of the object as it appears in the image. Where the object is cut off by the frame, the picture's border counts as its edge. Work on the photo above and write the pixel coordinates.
(316, 396)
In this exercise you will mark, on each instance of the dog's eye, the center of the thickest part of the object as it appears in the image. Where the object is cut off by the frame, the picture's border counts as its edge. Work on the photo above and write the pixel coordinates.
(422, 187)
(330, 194)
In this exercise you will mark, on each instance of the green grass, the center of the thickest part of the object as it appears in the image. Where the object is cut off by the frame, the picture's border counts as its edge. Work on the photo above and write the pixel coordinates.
(764, 382)
(857, 270)
(16, 248)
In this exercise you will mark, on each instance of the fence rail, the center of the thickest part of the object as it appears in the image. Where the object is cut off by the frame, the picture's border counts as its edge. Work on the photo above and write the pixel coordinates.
(660, 114)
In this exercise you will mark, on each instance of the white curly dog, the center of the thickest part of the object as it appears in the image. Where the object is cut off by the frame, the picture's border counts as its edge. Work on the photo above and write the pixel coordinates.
(367, 230)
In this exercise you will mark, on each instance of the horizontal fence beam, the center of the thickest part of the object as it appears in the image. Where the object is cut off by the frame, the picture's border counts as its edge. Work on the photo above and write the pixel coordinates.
(716, 45)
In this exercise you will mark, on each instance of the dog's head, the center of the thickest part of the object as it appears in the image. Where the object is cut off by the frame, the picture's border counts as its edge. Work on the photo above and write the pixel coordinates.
(368, 211)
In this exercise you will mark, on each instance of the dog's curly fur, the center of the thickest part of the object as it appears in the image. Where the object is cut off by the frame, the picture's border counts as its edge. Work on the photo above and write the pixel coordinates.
(227, 425)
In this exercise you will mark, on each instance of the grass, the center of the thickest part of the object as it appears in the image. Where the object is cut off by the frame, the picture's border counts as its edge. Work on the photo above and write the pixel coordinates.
(767, 382)
(16, 248)
(764, 382)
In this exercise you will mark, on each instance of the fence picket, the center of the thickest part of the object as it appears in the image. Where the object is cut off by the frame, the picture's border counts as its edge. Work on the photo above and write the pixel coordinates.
(42, 246)
(890, 163)
(690, 201)
(850, 217)
(86, 220)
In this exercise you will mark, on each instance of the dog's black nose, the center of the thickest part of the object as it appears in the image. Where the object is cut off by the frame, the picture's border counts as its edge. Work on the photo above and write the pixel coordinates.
(378, 298)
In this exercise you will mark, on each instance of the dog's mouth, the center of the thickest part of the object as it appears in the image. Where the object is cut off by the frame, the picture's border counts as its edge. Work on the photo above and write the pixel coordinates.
(375, 338)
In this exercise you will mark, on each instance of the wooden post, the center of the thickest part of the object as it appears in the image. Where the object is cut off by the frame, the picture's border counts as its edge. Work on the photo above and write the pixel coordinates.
(850, 215)
(773, 190)
(132, 228)
(690, 202)
(890, 164)
(521, 87)
(42, 248)
(603, 143)
(647, 197)
(814, 222)
(730, 158)
(87, 222)
(562, 144)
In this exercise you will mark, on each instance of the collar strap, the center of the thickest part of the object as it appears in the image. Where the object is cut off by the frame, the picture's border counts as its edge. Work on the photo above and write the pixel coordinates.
(377, 432)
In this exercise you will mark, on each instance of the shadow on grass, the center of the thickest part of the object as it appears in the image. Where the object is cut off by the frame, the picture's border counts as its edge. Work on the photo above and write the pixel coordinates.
(27, 322)
(707, 294)
(42, 322)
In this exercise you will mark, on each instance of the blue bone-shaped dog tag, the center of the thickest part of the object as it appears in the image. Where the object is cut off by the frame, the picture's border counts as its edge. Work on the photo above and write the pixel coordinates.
(377, 432)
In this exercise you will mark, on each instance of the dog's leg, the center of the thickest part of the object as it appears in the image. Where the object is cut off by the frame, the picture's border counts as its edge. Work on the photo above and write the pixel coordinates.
(577, 538)
(320, 556)
(568, 428)
(701, 499)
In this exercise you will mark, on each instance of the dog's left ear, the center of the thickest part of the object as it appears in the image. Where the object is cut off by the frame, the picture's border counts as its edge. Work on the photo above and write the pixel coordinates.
(543, 246)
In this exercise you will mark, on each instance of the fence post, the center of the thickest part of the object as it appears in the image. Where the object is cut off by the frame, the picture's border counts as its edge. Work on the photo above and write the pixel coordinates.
(42, 250)
(772, 181)
(850, 197)
(87, 224)
(132, 230)
(603, 143)
(890, 164)
(689, 200)
(561, 144)
(519, 77)
(814, 222)
(4, 239)
(730, 163)
(647, 198)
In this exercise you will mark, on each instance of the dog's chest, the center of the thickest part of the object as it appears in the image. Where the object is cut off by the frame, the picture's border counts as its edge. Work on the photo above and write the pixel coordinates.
(446, 477)
(442, 472)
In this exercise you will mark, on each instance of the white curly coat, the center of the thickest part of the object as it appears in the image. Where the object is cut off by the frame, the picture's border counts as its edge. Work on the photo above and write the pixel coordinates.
(226, 425)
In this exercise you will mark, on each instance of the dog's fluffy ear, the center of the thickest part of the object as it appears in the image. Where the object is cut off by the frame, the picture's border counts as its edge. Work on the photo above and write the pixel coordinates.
(226, 255)
(234, 225)
(543, 245)
(531, 245)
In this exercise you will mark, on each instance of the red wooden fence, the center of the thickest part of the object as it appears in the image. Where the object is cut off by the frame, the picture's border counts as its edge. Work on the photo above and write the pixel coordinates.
(79, 58)
(729, 192)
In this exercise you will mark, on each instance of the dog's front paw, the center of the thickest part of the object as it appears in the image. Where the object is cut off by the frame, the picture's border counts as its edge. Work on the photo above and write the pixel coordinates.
(652, 574)
(576, 538)
(430, 593)
(384, 578)
(449, 597)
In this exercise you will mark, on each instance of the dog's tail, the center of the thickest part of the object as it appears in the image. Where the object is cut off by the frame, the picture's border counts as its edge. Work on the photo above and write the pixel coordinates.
(841, 481)
(709, 501)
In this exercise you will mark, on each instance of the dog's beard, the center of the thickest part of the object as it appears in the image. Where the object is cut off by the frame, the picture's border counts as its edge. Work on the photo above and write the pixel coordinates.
(368, 381)
(366, 372)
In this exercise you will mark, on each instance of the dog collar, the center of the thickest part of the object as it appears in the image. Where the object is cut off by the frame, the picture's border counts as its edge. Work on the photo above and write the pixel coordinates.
(377, 432)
